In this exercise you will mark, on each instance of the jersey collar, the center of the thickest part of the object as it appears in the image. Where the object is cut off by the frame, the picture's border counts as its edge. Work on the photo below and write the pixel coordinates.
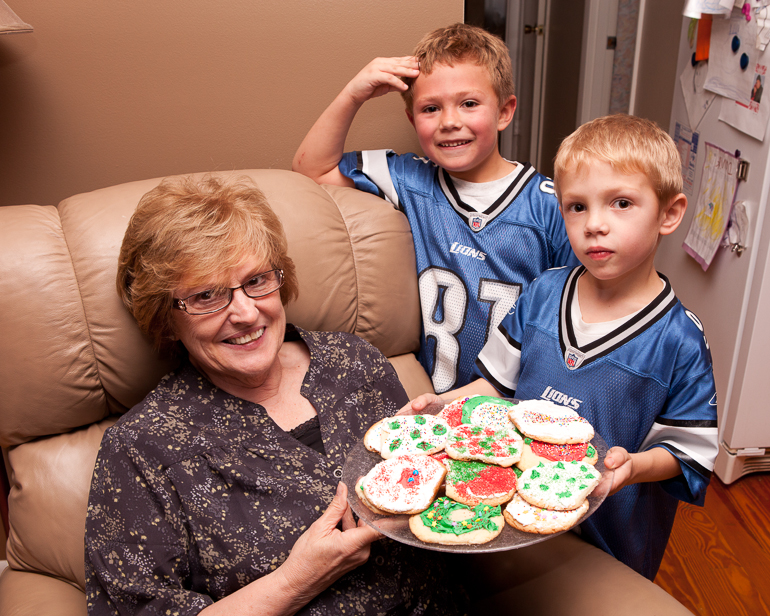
(476, 221)
(575, 356)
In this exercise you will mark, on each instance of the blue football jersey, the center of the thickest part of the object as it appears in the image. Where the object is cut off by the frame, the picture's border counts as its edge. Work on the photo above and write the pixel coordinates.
(648, 383)
(471, 265)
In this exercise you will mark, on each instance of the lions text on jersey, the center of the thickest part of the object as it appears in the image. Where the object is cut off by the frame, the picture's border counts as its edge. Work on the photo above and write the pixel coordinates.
(648, 383)
(471, 265)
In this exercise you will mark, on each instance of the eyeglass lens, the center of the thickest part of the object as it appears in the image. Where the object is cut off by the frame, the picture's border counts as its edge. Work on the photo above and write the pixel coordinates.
(212, 300)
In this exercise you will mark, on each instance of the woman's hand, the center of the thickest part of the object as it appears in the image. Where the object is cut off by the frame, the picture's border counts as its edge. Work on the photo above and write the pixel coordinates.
(381, 76)
(323, 553)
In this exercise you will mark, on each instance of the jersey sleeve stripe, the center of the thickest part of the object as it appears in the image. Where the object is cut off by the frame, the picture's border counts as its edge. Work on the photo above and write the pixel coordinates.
(703, 471)
(506, 391)
(687, 423)
(500, 361)
(699, 445)
(374, 164)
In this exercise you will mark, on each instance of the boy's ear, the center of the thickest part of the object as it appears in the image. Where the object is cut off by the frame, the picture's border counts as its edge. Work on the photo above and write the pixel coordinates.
(673, 214)
(409, 115)
(506, 113)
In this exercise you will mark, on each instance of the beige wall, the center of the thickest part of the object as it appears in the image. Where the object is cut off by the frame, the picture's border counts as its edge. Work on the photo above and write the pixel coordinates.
(110, 91)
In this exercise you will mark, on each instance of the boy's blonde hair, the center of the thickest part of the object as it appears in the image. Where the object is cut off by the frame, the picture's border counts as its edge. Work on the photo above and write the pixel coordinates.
(630, 145)
(461, 43)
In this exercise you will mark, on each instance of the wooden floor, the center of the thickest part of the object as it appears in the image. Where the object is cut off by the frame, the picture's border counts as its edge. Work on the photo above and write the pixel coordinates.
(718, 558)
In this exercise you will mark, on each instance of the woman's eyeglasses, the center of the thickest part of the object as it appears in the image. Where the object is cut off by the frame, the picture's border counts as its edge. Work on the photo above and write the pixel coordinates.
(214, 300)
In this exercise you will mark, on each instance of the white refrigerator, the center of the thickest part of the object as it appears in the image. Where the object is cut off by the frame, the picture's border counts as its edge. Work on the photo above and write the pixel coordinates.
(732, 297)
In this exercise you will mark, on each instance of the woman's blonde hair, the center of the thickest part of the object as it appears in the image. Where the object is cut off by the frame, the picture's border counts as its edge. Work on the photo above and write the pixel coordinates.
(461, 43)
(195, 231)
(630, 145)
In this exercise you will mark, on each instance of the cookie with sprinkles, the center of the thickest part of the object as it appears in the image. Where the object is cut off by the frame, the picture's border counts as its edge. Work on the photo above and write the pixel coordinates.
(364, 500)
(403, 484)
(474, 482)
(531, 519)
(558, 485)
(501, 446)
(543, 420)
(533, 452)
(450, 523)
(418, 434)
(487, 411)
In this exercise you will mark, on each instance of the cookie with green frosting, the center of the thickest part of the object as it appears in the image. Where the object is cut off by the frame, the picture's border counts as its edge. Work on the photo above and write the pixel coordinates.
(450, 523)
(558, 485)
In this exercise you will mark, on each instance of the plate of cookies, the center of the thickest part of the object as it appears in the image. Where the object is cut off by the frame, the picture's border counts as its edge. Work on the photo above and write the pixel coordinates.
(480, 474)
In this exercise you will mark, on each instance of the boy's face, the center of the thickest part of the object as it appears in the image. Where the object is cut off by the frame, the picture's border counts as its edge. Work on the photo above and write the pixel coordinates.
(614, 220)
(457, 118)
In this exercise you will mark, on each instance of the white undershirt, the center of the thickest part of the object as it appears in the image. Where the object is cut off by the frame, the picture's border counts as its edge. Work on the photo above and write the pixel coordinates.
(480, 195)
(586, 333)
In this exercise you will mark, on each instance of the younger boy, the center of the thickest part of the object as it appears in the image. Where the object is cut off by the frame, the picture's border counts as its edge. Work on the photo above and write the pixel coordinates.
(611, 340)
(483, 226)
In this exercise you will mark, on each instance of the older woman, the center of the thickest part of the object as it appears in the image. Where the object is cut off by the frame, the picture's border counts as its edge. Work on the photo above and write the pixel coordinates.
(219, 492)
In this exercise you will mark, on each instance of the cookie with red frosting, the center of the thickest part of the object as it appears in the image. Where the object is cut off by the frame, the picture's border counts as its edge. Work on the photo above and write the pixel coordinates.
(533, 452)
(403, 484)
(501, 446)
(475, 482)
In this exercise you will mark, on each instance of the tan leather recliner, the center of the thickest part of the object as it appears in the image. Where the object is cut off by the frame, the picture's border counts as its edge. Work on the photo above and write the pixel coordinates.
(73, 359)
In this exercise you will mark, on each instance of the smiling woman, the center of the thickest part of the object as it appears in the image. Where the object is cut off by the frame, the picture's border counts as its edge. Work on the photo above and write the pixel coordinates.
(207, 496)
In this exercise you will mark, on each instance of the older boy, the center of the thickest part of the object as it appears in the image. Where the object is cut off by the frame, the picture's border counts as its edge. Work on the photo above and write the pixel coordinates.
(611, 340)
(483, 226)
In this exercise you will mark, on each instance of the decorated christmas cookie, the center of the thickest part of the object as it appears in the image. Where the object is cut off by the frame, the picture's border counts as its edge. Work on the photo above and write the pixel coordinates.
(403, 484)
(373, 436)
(501, 446)
(472, 483)
(452, 413)
(451, 523)
(543, 420)
(520, 514)
(534, 452)
(419, 434)
(558, 485)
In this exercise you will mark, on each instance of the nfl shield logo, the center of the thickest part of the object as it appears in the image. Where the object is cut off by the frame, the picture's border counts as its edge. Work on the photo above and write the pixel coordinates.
(573, 358)
(477, 222)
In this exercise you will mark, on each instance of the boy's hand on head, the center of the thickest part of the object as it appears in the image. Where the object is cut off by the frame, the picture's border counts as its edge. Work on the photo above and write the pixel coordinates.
(619, 460)
(381, 76)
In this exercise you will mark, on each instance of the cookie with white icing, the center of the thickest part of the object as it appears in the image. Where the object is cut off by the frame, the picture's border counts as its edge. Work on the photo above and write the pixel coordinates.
(531, 519)
(417, 434)
(373, 436)
(545, 421)
(403, 484)
(534, 452)
(364, 500)
(450, 523)
(474, 482)
(558, 485)
(501, 446)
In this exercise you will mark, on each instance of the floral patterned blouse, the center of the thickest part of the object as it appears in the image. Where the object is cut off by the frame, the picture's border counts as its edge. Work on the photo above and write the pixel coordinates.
(196, 493)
